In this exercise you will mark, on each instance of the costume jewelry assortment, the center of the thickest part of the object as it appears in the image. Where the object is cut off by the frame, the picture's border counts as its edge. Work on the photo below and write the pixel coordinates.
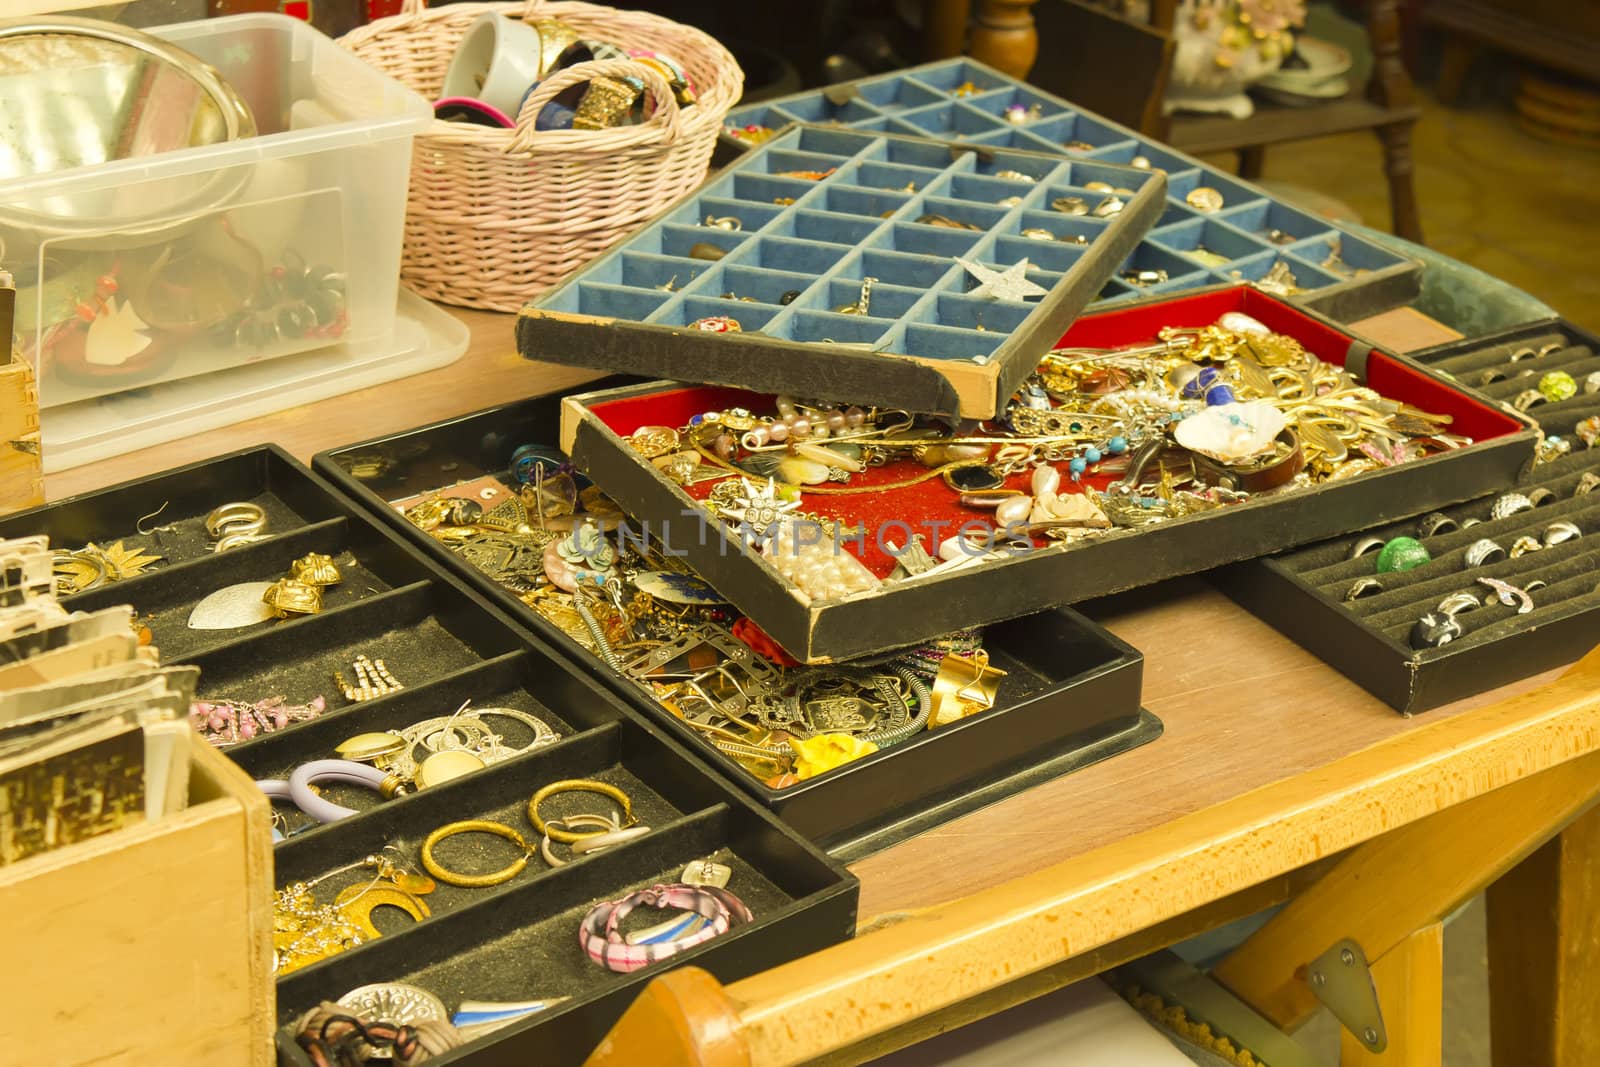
(648, 618)
(1441, 625)
(1200, 419)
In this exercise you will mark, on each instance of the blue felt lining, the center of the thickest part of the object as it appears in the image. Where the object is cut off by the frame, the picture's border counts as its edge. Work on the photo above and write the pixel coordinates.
(1212, 234)
(921, 101)
(816, 240)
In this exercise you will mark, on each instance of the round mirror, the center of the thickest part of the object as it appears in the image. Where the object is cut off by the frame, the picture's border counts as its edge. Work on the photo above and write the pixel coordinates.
(78, 93)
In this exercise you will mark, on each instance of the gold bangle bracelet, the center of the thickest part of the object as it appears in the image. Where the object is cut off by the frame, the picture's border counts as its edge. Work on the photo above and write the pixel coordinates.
(577, 785)
(475, 881)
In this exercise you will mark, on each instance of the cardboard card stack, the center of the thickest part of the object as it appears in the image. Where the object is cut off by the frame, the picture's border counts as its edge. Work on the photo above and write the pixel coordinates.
(94, 732)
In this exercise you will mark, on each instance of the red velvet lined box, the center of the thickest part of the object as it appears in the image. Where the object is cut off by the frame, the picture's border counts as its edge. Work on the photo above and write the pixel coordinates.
(594, 425)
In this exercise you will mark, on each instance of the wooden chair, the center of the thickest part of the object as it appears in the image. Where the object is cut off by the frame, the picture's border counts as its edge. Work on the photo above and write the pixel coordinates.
(1386, 106)
(1003, 34)
(1109, 65)
(1108, 68)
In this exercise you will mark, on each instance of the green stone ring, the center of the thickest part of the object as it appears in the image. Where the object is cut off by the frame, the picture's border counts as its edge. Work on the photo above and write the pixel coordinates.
(1558, 385)
(1402, 554)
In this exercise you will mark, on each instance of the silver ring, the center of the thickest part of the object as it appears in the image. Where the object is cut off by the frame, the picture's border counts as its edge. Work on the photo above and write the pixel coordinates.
(1540, 497)
(1559, 533)
(102, 575)
(1509, 504)
(1489, 377)
(1456, 603)
(1361, 587)
(1529, 398)
(1545, 350)
(238, 517)
(1525, 544)
(1483, 551)
(1507, 594)
(1365, 545)
(1471, 522)
(1522, 353)
(1435, 523)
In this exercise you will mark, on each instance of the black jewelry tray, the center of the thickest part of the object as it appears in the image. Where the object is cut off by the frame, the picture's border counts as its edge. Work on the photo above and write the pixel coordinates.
(516, 941)
(1071, 697)
(1301, 592)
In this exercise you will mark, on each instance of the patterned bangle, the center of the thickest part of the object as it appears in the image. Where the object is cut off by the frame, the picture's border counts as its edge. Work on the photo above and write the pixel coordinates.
(606, 945)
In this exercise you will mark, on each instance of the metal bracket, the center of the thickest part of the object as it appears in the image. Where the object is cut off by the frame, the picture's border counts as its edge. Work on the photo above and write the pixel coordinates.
(1342, 980)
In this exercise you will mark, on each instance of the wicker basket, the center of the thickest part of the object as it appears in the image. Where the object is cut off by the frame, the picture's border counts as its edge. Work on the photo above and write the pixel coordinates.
(498, 216)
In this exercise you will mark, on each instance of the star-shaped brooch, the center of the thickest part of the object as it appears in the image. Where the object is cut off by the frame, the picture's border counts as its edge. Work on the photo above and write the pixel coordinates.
(1008, 284)
(758, 509)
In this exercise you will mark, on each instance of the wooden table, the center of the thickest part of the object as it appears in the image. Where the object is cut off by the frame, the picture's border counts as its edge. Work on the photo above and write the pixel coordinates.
(1271, 761)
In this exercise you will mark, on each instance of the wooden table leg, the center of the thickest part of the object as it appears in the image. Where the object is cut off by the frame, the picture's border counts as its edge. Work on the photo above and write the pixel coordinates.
(1410, 981)
(944, 27)
(1544, 974)
(1405, 880)
(1252, 161)
(1455, 60)
(1402, 190)
(1003, 36)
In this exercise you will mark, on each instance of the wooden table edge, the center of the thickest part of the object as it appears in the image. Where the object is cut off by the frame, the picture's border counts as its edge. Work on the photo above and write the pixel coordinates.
(941, 956)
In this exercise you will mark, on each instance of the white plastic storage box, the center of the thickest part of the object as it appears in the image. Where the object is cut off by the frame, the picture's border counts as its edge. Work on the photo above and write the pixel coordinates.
(219, 257)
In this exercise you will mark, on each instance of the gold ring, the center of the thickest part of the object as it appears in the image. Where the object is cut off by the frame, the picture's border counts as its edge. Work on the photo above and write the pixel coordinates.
(577, 785)
(1525, 544)
(240, 516)
(474, 881)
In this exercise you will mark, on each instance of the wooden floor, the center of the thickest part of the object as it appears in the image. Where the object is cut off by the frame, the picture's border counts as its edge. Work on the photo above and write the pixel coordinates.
(1520, 208)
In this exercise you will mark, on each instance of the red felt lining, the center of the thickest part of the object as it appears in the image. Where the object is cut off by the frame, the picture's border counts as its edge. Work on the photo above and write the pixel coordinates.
(932, 509)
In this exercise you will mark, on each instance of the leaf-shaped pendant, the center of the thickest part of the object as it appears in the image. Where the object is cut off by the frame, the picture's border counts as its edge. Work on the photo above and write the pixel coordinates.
(231, 607)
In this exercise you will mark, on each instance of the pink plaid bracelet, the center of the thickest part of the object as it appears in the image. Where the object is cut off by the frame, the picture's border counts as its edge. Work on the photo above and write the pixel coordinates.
(600, 938)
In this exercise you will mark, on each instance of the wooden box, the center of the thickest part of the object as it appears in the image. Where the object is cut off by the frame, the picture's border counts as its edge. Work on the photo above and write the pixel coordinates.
(152, 945)
(21, 476)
